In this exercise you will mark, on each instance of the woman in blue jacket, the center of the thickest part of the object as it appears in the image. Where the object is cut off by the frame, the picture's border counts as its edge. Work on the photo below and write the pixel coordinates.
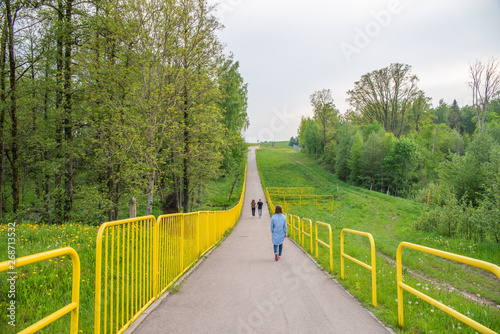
(278, 230)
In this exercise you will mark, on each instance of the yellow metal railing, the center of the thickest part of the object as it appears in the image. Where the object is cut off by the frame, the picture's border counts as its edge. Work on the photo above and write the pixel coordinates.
(450, 256)
(308, 234)
(326, 201)
(329, 245)
(400, 285)
(75, 291)
(126, 281)
(295, 223)
(291, 190)
(270, 204)
(372, 268)
(299, 196)
(138, 259)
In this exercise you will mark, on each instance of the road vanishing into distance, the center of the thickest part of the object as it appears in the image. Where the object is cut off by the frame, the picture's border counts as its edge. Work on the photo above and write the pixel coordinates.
(240, 288)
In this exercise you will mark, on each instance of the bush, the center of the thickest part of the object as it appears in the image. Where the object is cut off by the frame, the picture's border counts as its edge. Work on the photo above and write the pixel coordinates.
(462, 219)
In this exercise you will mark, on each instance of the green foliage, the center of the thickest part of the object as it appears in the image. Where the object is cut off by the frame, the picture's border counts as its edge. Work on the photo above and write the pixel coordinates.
(325, 113)
(385, 96)
(467, 174)
(354, 161)
(309, 136)
(401, 163)
(442, 112)
(132, 109)
(234, 93)
(455, 117)
(343, 151)
(371, 128)
(468, 119)
(293, 141)
(372, 161)
(459, 219)
(462, 174)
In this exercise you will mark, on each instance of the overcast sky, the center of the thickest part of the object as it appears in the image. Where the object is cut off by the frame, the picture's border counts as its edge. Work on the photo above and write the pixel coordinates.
(289, 49)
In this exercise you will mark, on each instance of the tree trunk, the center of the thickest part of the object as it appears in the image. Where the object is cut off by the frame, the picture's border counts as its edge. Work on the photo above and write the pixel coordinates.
(151, 185)
(58, 200)
(3, 99)
(46, 175)
(186, 181)
(13, 109)
(68, 117)
(234, 183)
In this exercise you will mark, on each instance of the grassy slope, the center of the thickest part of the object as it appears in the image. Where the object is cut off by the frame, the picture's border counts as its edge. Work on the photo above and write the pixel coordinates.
(390, 220)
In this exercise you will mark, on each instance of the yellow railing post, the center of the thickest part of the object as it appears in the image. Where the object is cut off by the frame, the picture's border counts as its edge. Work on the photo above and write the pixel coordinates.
(296, 230)
(372, 268)
(156, 270)
(450, 256)
(182, 243)
(198, 234)
(330, 245)
(310, 234)
(75, 288)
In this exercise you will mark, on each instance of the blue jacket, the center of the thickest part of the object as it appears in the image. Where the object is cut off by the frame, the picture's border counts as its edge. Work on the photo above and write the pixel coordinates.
(278, 227)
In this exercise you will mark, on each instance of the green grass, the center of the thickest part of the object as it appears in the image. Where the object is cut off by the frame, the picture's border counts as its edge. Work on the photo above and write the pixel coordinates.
(276, 144)
(390, 220)
(216, 193)
(44, 287)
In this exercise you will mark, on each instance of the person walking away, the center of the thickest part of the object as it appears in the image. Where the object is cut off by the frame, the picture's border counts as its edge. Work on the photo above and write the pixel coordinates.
(278, 230)
(259, 207)
(253, 208)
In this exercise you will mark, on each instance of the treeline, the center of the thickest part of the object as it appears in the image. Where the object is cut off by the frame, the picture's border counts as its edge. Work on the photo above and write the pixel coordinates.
(102, 100)
(394, 141)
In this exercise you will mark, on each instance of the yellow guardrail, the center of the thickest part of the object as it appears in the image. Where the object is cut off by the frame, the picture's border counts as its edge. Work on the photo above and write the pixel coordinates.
(304, 233)
(372, 268)
(270, 204)
(11, 265)
(291, 190)
(328, 245)
(450, 256)
(138, 259)
(295, 222)
(326, 201)
(126, 279)
(400, 285)
(288, 224)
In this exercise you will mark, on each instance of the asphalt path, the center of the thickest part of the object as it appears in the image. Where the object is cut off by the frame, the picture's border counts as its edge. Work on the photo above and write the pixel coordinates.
(240, 288)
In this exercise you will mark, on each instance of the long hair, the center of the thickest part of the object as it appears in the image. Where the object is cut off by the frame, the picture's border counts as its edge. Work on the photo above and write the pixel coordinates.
(278, 209)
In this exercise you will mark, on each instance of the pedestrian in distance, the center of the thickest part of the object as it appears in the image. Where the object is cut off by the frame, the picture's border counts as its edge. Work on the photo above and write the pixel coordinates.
(253, 208)
(278, 231)
(259, 207)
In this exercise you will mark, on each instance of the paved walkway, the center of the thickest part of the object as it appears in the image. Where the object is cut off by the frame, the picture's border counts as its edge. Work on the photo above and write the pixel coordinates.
(239, 288)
